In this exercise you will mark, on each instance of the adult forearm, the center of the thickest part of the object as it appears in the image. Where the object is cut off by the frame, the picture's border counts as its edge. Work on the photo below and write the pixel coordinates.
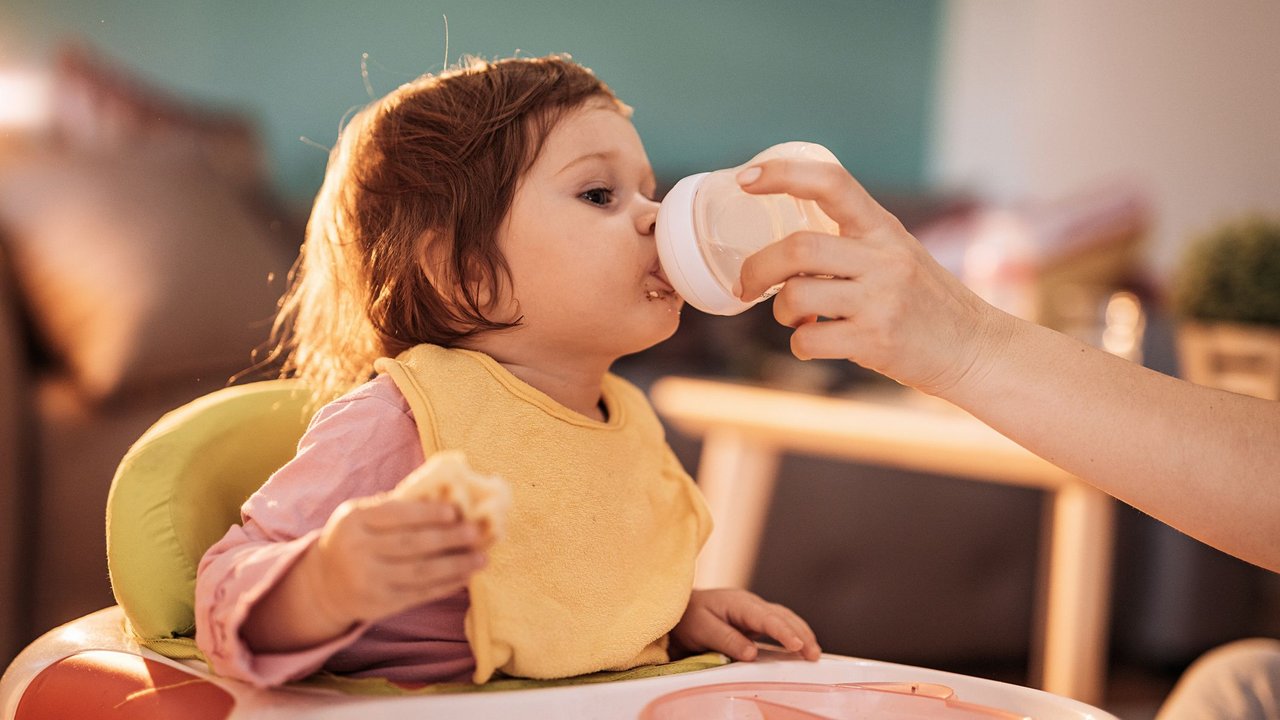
(1205, 461)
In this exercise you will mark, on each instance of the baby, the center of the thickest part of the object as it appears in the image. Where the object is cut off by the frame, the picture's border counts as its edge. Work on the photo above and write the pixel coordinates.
(479, 255)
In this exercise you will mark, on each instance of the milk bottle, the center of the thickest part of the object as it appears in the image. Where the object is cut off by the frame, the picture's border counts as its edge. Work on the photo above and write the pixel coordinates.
(707, 225)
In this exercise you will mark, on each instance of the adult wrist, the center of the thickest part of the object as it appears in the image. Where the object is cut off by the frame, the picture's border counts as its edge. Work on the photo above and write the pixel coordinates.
(993, 339)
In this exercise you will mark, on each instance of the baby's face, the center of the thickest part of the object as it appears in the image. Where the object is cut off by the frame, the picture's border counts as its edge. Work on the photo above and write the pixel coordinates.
(579, 242)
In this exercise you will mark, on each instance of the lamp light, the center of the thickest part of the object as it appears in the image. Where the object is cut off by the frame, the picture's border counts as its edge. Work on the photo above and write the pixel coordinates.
(26, 100)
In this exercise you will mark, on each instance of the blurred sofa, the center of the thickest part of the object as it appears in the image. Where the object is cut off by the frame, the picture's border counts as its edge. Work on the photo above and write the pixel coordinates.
(141, 256)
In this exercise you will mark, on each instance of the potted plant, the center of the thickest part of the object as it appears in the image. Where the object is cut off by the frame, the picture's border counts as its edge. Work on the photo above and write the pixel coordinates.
(1226, 296)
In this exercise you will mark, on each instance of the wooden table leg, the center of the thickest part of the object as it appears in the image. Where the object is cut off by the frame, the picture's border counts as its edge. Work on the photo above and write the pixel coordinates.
(1078, 593)
(736, 474)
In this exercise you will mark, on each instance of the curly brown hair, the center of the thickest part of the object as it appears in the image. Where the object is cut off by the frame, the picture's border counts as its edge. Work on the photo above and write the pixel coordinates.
(401, 246)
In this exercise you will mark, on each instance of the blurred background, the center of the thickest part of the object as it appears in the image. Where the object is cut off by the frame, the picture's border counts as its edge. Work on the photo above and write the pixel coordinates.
(157, 160)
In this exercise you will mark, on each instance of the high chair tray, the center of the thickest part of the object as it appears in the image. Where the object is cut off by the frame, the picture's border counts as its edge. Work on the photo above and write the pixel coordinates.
(197, 695)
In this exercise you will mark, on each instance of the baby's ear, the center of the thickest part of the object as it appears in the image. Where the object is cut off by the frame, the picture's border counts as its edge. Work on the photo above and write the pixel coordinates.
(434, 260)
(491, 291)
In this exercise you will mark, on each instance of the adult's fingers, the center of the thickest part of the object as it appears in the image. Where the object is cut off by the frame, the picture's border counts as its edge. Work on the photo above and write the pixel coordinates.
(839, 195)
(801, 253)
(804, 298)
(830, 340)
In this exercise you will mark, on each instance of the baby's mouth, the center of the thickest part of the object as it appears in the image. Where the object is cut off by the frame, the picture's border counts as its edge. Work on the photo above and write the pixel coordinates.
(661, 288)
(662, 292)
(661, 277)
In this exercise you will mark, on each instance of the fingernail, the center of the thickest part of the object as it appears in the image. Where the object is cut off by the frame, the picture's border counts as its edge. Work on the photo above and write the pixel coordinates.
(748, 176)
(737, 289)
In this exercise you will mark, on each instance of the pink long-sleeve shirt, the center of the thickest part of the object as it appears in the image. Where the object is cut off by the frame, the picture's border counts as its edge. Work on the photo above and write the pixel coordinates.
(361, 444)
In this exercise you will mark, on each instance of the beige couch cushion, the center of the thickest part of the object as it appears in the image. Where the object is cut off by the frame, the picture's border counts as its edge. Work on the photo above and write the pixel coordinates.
(139, 231)
(139, 266)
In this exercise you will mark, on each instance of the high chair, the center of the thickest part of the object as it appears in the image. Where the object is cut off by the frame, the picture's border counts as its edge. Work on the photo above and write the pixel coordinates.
(180, 487)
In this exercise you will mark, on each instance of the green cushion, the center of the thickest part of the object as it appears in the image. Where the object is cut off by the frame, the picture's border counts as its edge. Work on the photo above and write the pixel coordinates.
(180, 487)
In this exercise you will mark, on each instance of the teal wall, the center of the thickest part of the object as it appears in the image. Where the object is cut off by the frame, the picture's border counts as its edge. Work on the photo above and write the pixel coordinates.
(711, 81)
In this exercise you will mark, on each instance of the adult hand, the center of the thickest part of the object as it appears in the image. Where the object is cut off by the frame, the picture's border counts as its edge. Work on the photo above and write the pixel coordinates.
(889, 306)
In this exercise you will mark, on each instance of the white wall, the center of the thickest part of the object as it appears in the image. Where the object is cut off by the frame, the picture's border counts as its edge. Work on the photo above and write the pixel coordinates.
(1042, 98)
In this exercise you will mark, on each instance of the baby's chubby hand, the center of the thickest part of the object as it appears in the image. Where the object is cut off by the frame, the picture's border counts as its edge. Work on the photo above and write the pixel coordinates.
(720, 620)
(384, 554)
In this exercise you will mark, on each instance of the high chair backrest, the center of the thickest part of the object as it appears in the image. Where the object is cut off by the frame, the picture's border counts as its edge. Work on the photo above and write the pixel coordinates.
(178, 490)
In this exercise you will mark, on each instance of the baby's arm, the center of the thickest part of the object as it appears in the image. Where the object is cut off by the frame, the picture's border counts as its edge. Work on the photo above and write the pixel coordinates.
(354, 448)
(718, 620)
(375, 557)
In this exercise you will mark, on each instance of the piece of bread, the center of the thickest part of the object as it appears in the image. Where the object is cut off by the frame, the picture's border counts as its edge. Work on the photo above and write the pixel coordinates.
(447, 477)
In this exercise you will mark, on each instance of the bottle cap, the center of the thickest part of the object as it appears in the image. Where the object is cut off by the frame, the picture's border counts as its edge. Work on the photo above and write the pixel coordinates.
(682, 256)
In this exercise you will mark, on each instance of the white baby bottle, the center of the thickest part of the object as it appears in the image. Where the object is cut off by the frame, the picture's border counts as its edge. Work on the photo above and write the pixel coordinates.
(707, 225)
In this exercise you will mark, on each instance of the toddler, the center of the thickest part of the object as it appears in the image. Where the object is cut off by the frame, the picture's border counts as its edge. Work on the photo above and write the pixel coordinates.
(480, 253)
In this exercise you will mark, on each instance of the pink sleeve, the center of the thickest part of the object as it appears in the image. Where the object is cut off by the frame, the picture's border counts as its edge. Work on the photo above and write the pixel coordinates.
(358, 445)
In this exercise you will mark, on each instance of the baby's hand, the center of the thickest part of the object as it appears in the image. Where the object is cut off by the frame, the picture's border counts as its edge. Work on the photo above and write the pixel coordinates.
(381, 555)
(716, 620)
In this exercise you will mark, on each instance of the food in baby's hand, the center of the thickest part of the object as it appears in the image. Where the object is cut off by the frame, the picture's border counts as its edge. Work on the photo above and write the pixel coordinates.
(447, 477)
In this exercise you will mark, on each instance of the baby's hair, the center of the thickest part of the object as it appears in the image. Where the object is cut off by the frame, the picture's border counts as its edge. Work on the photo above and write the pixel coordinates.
(401, 247)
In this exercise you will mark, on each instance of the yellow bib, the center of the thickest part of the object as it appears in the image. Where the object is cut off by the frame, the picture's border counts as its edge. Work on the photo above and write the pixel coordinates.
(597, 561)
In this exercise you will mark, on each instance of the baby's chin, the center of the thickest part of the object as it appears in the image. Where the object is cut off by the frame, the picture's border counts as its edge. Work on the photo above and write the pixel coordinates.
(674, 306)
(658, 334)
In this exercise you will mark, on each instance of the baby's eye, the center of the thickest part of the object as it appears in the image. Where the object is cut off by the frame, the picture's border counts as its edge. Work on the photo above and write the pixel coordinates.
(601, 196)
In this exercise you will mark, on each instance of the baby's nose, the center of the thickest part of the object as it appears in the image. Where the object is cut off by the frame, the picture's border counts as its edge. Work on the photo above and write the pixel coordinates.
(647, 218)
